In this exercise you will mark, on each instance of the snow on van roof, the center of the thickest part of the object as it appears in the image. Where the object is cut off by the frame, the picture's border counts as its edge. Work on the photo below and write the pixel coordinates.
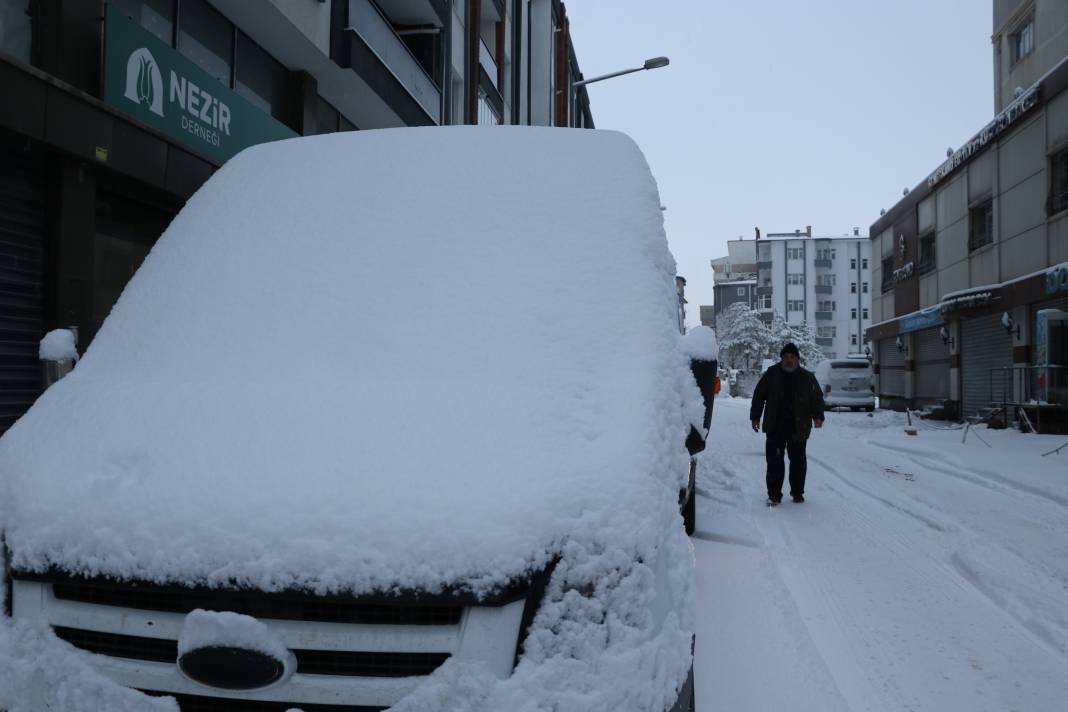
(372, 360)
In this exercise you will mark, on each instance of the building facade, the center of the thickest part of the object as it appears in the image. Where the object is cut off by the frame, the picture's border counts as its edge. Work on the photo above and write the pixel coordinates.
(734, 276)
(972, 264)
(825, 282)
(115, 112)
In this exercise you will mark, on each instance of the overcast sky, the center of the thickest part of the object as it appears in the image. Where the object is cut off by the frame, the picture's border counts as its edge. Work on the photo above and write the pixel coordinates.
(784, 113)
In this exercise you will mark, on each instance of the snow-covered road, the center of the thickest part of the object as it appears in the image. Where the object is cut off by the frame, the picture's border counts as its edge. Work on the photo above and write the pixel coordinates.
(920, 574)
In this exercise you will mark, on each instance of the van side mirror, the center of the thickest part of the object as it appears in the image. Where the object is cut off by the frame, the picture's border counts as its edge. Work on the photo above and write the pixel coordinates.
(706, 373)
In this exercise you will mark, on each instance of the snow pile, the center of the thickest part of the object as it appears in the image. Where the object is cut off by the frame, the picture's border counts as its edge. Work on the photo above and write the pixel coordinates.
(57, 345)
(39, 672)
(391, 388)
(208, 629)
(700, 343)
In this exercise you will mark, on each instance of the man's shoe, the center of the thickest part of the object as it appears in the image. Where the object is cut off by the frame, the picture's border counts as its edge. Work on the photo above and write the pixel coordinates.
(772, 501)
(799, 498)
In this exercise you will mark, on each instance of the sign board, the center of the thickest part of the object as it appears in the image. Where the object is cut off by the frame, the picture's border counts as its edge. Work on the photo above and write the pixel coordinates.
(924, 319)
(1009, 116)
(145, 78)
(1057, 279)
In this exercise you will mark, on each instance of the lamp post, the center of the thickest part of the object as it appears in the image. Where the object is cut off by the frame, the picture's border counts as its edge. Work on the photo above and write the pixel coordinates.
(651, 63)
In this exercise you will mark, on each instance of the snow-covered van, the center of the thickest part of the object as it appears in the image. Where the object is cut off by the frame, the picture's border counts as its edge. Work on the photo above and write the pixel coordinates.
(847, 383)
(375, 425)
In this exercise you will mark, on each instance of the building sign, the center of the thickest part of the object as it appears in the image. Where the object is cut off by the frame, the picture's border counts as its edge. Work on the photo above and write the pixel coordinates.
(923, 319)
(145, 78)
(1057, 279)
(968, 301)
(903, 273)
(1010, 115)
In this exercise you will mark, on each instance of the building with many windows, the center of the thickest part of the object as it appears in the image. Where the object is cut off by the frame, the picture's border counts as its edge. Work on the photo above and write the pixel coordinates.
(115, 112)
(972, 264)
(822, 281)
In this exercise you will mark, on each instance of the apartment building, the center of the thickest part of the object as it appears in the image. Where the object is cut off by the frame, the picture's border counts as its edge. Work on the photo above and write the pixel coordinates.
(115, 112)
(823, 281)
(734, 276)
(972, 264)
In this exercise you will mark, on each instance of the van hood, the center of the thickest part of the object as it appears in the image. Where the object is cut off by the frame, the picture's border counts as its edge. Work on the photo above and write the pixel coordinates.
(372, 360)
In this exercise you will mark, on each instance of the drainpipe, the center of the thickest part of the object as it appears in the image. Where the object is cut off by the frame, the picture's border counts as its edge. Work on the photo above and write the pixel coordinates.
(474, 39)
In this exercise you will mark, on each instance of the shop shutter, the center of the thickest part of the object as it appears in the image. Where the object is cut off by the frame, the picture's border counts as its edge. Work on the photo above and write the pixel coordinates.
(21, 285)
(932, 365)
(891, 369)
(985, 346)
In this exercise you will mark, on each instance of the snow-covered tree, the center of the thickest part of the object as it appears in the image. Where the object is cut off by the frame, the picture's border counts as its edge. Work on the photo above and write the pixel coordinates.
(741, 331)
(800, 335)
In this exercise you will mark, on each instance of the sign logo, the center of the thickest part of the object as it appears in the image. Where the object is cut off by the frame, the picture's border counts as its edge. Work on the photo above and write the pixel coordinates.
(1057, 279)
(144, 83)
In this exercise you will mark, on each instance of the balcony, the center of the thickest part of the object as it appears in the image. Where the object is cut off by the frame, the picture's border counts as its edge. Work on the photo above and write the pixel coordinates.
(824, 263)
(766, 264)
(761, 291)
(824, 316)
(823, 289)
(376, 33)
(489, 65)
(824, 341)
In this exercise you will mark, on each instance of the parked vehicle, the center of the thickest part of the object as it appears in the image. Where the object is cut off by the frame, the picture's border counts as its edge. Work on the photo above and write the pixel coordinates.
(376, 425)
(847, 383)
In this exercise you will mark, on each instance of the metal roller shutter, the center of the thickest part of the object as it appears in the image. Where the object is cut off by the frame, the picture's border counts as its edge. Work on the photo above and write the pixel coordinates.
(984, 346)
(932, 365)
(891, 369)
(21, 286)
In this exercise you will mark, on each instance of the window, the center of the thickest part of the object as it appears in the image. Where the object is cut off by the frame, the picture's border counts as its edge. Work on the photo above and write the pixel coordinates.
(852, 339)
(826, 306)
(207, 38)
(981, 225)
(888, 274)
(826, 280)
(1022, 41)
(864, 288)
(261, 78)
(795, 305)
(927, 253)
(795, 278)
(864, 313)
(793, 253)
(826, 253)
(1058, 199)
(16, 29)
(827, 332)
(864, 263)
(852, 263)
(156, 16)
(764, 301)
(853, 313)
(852, 287)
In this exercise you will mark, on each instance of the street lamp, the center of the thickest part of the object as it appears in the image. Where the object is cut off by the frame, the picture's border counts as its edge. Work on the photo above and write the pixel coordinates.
(651, 63)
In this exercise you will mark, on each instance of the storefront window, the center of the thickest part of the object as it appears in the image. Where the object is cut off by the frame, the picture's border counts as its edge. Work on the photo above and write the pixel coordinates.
(16, 29)
(260, 77)
(207, 38)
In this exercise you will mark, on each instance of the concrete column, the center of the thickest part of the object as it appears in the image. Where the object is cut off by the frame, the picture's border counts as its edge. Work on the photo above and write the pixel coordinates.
(909, 346)
(1021, 352)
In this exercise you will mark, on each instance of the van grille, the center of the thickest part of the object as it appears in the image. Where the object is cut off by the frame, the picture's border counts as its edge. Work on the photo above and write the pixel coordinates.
(278, 606)
(309, 662)
(196, 703)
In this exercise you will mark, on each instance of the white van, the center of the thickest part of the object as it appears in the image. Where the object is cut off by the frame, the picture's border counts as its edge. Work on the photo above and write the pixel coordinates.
(371, 428)
(847, 383)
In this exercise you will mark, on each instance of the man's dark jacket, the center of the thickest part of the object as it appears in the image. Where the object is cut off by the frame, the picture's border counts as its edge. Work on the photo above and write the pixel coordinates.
(808, 401)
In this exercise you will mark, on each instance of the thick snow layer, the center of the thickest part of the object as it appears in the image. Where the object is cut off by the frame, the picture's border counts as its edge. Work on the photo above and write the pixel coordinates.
(208, 629)
(700, 343)
(39, 672)
(343, 378)
(57, 345)
(921, 573)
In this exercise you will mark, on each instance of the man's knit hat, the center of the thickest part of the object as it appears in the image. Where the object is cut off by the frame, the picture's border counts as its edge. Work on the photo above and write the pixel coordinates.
(790, 348)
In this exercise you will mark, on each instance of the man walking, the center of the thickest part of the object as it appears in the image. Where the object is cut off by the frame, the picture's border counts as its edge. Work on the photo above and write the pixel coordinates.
(792, 402)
